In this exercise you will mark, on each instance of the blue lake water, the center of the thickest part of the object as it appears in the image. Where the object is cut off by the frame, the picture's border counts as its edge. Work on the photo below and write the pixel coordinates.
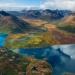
(2, 39)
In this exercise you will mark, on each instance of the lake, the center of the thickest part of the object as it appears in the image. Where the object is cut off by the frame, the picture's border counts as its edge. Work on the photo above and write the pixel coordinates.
(2, 39)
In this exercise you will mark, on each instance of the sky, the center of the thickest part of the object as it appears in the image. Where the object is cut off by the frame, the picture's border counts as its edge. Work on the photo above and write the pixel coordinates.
(37, 4)
(58, 4)
(19, 4)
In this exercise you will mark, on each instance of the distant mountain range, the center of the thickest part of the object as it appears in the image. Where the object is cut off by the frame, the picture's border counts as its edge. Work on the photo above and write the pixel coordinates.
(42, 14)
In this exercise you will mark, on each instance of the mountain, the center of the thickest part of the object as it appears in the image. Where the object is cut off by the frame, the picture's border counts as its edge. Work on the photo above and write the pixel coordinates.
(11, 23)
(3, 13)
(54, 14)
(67, 23)
(69, 19)
(16, 13)
(46, 14)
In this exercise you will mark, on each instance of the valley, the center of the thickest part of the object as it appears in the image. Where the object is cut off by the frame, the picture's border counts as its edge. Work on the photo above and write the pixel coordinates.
(52, 35)
(37, 42)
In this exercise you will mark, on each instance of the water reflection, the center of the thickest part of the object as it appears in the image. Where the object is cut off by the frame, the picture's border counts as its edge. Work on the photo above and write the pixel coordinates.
(67, 49)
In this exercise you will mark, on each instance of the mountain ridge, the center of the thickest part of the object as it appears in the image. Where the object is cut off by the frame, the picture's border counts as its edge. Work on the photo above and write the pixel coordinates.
(14, 24)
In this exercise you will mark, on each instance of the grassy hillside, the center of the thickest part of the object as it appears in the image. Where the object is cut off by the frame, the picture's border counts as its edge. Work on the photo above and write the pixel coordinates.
(13, 24)
(67, 23)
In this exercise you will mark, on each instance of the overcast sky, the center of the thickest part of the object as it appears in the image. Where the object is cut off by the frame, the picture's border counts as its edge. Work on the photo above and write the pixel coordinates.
(43, 4)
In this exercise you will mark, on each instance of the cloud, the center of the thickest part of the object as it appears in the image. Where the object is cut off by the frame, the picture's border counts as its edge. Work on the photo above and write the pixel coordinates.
(58, 4)
(51, 4)
(15, 5)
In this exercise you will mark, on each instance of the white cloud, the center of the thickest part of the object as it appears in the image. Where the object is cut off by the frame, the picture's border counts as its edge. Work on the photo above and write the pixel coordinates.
(15, 6)
(58, 4)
